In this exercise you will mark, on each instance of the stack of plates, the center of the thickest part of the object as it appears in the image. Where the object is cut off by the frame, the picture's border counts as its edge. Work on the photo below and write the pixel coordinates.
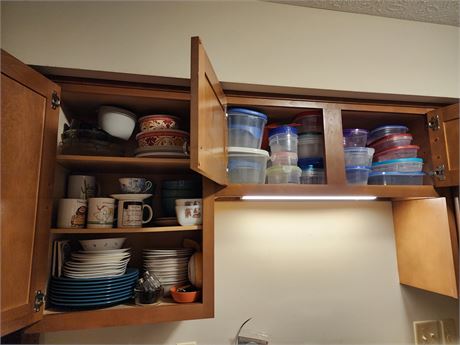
(161, 151)
(169, 265)
(97, 264)
(96, 292)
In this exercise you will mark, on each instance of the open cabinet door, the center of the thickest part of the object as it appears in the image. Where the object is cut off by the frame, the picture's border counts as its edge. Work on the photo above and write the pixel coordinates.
(426, 245)
(208, 121)
(444, 141)
(29, 119)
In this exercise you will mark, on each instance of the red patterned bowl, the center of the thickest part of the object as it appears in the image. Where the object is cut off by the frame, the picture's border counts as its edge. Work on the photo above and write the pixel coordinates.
(167, 137)
(158, 122)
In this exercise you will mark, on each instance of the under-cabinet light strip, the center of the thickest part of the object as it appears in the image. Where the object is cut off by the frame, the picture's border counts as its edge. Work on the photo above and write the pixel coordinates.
(308, 197)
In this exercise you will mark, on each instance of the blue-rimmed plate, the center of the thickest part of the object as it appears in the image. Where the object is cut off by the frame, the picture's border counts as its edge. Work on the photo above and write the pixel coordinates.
(90, 289)
(57, 292)
(89, 298)
(91, 304)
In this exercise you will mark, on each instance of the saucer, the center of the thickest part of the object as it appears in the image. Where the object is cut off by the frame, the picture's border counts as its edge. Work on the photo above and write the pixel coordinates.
(134, 197)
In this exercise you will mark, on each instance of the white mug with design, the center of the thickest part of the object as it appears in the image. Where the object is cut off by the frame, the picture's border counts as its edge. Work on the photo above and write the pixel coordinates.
(100, 212)
(81, 187)
(71, 213)
(131, 210)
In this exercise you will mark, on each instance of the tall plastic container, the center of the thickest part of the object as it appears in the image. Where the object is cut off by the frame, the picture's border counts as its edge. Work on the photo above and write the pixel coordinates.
(246, 165)
(245, 127)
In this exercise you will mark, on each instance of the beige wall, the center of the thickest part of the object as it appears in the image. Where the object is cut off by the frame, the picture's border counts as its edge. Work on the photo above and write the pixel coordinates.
(249, 42)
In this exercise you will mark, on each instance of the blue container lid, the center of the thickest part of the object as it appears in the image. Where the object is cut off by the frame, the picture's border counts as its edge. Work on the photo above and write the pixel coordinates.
(244, 111)
(357, 167)
(354, 131)
(399, 160)
(315, 162)
(395, 173)
(255, 131)
(282, 130)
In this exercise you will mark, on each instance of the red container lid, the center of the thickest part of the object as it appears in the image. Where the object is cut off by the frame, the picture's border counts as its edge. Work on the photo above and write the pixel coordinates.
(390, 137)
(308, 113)
(397, 148)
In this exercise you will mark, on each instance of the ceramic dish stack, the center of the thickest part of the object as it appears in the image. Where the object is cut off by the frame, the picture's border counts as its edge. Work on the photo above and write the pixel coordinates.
(170, 266)
(160, 137)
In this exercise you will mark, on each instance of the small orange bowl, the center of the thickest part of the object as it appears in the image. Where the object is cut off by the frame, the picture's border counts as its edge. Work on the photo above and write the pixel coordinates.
(184, 297)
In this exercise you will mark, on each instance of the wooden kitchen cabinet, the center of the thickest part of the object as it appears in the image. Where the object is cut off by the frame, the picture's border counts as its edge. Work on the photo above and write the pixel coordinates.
(202, 101)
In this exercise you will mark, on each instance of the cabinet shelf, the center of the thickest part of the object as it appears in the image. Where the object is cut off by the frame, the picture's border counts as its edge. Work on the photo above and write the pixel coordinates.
(123, 164)
(126, 230)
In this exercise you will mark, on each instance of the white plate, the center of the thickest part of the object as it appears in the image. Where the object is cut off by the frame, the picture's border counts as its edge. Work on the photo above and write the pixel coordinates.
(87, 276)
(101, 257)
(131, 196)
(86, 273)
(90, 264)
(95, 268)
(100, 261)
(103, 252)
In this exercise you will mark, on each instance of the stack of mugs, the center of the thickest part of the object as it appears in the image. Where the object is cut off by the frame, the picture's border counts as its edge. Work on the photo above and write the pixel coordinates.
(283, 146)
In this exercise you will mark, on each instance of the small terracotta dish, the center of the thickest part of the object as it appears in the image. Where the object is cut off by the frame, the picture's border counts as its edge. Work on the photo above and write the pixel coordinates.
(184, 297)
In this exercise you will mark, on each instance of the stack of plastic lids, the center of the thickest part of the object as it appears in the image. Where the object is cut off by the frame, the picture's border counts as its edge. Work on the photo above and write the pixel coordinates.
(395, 159)
(358, 157)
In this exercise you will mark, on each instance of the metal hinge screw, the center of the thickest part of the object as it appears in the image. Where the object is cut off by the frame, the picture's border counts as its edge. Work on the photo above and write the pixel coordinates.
(55, 100)
(433, 122)
(439, 172)
(39, 300)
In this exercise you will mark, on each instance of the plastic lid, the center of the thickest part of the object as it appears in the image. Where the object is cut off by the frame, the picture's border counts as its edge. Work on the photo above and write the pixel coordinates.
(391, 137)
(354, 131)
(313, 112)
(395, 173)
(368, 150)
(255, 131)
(399, 160)
(284, 169)
(282, 130)
(397, 148)
(247, 151)
(315, 162)
(357, 167)
(244, 111)
(386, 128)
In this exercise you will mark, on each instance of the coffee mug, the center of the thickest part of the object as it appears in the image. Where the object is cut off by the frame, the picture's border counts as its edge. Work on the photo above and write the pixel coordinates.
(130, 213)
(134, 184)
(71, 213)
(81, 187)
(100, 212)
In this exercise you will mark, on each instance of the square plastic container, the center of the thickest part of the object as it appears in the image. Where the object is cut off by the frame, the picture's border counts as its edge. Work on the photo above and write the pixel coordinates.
(391, 141)
(395, 178)
(357, 174)
(283, 174)
(246, 165)
(312, 175)
(358, 156)
(409, 151)
(245, 128)
(283, 139)
(310, 145)
(284, 158)
(354, 137)
(309, 121)
(383, 131)
(399, 165)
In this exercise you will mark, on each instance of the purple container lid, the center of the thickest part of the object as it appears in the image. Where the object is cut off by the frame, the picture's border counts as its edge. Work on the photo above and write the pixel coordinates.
(354, 131)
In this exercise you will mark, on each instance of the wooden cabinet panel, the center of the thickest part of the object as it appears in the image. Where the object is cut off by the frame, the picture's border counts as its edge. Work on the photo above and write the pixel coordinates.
(424, 246)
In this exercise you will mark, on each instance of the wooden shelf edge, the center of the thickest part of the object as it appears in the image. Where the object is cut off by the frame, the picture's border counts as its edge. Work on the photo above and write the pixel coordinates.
(126, 230)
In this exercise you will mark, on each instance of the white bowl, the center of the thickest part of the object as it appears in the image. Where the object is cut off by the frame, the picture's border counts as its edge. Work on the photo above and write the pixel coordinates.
(116, 121)
(189, 215)
(189, 202)
(103, 244)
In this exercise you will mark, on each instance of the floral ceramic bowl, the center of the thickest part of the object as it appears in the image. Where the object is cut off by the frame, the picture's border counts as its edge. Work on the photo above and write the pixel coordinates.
(168, 137)
(158, 122)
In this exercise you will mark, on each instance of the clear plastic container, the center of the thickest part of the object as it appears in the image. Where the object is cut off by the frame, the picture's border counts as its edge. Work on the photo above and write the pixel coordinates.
(310, 145)
(409, 151)
(392, 140)
(246, 165)
(309, 121)
(357, 174)
(358, 156)
(396, 178)
(312, 175)
(245, 128)
(380, 132)
(399, 165)
(354, 137)
(283, 139)
(284, 158)
(283, 174)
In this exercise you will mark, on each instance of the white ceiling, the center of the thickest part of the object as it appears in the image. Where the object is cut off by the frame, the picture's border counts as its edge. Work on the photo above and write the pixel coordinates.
(432, 11)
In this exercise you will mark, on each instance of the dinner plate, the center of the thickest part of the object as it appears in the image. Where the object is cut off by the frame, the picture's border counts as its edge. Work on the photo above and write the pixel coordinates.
(130, 274)
(95, 271)
(91, 303)
(74, 264)
(90, 291)
(103, 252)
(95, 275)
(87, 287)
(89, 297)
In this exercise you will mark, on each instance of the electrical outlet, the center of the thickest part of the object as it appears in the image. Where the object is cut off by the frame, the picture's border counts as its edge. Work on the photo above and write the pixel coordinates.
(449, 332)
(427, 332)
(188, 343)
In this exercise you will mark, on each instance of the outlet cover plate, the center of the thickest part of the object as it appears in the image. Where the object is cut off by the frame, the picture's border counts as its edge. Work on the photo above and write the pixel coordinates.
(427, 332)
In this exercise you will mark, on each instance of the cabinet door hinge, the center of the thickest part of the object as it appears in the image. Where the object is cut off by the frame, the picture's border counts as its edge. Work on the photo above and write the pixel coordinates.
(439, 172)
(39, 300)
(433, 123)
(55, 100)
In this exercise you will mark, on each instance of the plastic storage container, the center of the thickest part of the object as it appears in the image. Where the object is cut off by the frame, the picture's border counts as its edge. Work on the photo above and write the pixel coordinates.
(283, 174)
(383, 131)
(357, 174)
(315, 162)
(358, 156)
(396, 178)
(399, 165)
(409, 151)
(354, 137)
(310, 145)
(312, 175)
(309, 121)
(284, 158)
(246, 165)
(392, 140)
(283, 139)
(245, 128)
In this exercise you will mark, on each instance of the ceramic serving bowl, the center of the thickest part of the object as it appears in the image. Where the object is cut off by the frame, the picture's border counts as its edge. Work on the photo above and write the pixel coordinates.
(102, 244)
(189, 215)
(184, 297)
(168, 137)
(116, 121)
(157, 122)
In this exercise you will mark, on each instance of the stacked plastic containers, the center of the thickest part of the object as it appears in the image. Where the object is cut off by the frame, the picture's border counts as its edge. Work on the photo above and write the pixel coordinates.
(310, 146)
(283, 146)
(358, 157)
(395, 160)
(246, 162)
